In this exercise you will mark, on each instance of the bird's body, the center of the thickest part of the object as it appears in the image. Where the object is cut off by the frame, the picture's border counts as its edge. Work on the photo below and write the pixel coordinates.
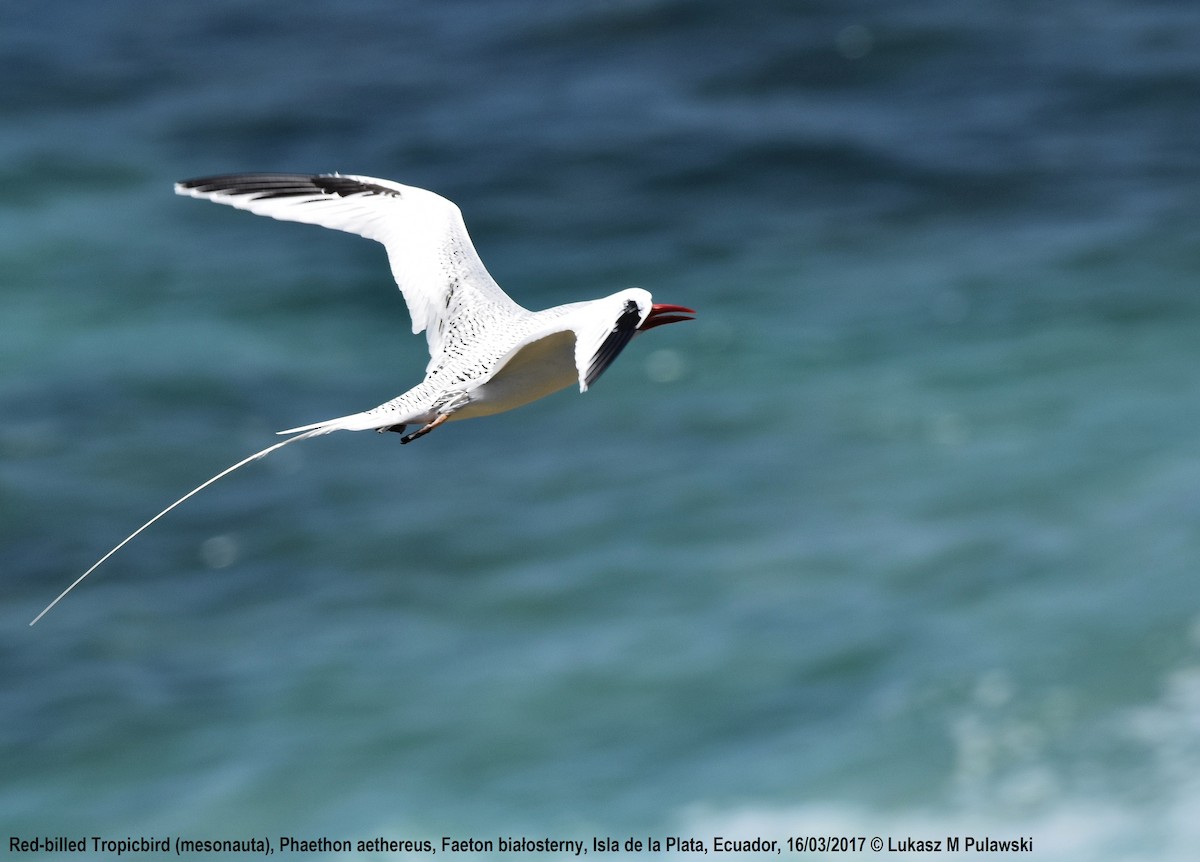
(487, 354)
(514, 359)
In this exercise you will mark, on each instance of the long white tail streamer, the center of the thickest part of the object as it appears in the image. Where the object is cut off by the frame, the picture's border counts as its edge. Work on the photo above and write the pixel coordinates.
(314, 433)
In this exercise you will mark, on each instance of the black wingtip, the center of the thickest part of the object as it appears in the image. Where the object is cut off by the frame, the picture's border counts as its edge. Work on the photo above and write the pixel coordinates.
(283, 185)
(622, 332)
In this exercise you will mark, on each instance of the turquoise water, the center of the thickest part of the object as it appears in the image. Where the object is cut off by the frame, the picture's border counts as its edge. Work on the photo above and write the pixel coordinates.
(899, 538)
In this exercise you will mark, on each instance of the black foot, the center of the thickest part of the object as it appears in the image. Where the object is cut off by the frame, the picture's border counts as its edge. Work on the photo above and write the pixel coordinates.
(408, 438)
(399, 429)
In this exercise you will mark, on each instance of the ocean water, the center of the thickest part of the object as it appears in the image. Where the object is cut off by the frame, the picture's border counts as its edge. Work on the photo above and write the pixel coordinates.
(899, 538)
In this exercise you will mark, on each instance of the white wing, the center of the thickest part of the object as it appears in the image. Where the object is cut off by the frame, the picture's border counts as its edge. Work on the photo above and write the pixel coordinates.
(599, 329)
(432, 258)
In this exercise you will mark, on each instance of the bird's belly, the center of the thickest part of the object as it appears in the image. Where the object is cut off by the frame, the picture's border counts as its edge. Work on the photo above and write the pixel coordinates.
(538, 369)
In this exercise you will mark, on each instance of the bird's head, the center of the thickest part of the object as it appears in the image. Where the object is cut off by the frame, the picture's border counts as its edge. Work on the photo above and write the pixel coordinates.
(661, 313)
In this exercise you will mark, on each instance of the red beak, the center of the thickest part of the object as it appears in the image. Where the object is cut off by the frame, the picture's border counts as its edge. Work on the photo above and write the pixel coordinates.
(661, 313)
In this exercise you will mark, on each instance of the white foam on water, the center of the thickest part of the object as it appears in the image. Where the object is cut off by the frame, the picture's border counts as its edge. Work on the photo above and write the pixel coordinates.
(1141, 804)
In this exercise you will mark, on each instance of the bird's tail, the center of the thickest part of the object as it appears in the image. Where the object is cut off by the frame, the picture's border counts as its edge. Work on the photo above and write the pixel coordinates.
(314, 431)
(354, 422)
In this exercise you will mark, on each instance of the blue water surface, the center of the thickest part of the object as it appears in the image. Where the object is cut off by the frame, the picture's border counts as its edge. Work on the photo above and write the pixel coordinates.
(898, 538)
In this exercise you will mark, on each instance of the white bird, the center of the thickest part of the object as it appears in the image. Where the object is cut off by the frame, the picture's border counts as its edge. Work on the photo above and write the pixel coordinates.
(487, 354)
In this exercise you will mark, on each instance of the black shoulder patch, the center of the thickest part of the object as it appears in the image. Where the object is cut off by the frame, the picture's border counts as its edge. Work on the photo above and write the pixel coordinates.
(623, 330)
(269, 185)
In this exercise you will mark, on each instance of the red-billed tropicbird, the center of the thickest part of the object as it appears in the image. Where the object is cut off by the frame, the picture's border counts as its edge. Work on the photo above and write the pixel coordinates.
(486, 353)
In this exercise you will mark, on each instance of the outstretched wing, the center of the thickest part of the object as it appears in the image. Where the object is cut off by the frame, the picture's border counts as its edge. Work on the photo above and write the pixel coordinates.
(592, 359)
(591, 334)
(432, 258)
